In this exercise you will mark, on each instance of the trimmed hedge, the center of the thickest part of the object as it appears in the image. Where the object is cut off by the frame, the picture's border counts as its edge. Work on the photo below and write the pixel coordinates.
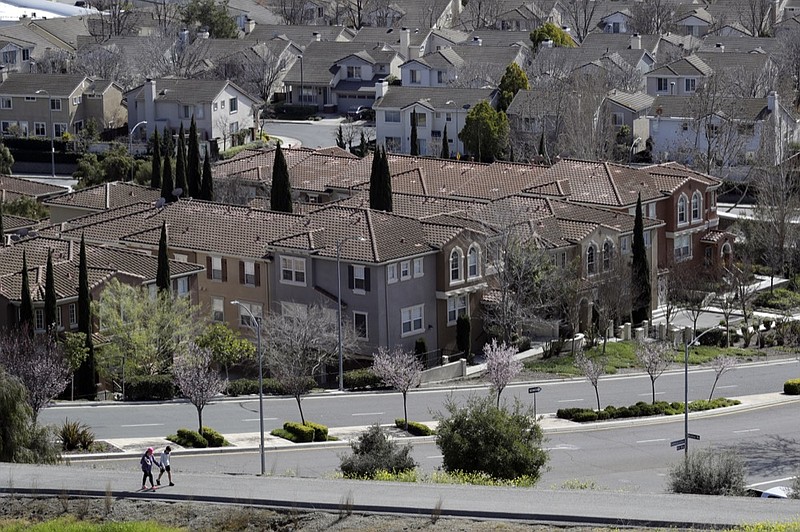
(214, 438)
(250, 387)
(189, 438)
(150, 388)
(301, 433)
(285, 434)
(641, 409)
(779, 298)
(792, 387)
(415, 428)
(361, 379)
(320, 431)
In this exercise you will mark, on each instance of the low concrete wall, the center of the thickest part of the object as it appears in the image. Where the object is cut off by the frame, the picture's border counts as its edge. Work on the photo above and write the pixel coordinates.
(447, 372)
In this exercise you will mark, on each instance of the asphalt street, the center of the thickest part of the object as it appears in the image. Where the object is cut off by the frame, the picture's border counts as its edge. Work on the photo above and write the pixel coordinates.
(320, 134)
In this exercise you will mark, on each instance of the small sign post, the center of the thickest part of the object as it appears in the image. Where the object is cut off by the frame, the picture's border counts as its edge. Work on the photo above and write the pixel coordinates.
(693, 436)
(678, 443)
(534, 390)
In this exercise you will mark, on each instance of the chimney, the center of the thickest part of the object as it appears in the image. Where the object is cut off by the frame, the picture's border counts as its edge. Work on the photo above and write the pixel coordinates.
(405, 41)
(546, 44)
(203, 34)
(772, 101)
(381, 88)
(249, 26)
(149, 105)
(477, 41)
(108, 195)
(720, 47)
(636, 42)
(317, 36)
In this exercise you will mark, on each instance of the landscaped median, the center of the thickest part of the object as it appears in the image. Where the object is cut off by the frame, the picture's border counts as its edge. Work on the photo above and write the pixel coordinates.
(641, 409)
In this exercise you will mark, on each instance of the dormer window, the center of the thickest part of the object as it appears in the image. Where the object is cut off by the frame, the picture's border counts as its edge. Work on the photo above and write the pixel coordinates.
(353, 72)
(415, 78)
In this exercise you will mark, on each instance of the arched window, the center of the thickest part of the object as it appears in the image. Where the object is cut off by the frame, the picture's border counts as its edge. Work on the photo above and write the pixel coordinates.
(455, 265)
(697, 206)
(591, 260)
(608, 250)
(473, 262)
(682, 214)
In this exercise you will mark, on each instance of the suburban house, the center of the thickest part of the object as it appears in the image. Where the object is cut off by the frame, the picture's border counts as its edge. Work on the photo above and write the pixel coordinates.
(12, 188)
(627, 109)
(616, 21)
(694, 21)
(434, 107)
(225, 114)
(16, 55)
(45, 105)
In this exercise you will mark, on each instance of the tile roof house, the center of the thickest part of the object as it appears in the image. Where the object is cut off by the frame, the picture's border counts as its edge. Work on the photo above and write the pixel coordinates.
(74, 100)
(97, 199)
(12, 188)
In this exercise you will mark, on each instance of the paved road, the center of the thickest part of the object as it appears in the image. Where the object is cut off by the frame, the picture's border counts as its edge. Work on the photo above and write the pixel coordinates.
(334, 410)
(319, 134)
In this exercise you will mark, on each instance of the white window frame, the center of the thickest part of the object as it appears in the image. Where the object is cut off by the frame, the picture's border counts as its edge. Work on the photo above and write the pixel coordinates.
(62, 128)
(59, 318)
(414, 317)
(38, 319)
(690, 85)
(697, 205)
(419, 268)
(6, 103)
(72, 311)
(456, 306)
(391, 273)
(647, 239)
(683, 210)
(682, 247)
(391, 117)
(414, 76)
(357, 330)
(608, 256)
(217, 309)
(233, 105)
(55, 104)
(405, 270)
(182, 286)
(456, 267)
(591, 259)
(179, 257)
(662, 85)
(40, 129)
(216, 268)
(295, 267)
(257, 309)
(625, 244)
(359, 279)
(473, 260)
(249, 273)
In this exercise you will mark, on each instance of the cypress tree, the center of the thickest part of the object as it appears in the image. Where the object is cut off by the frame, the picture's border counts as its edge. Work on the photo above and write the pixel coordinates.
(26, 303)
(362, 148)
(445, 145)
(280, 197)
(374, 180)
(167, 185)
(85, 379)
(414, 146)
(640, 270)
(207, 185)
(162, 274)
(155, 168)
(2, 227)
(167, 146)
(180, 163)
(50, 306)
(193, 176)
(386, 183)
(340, 138)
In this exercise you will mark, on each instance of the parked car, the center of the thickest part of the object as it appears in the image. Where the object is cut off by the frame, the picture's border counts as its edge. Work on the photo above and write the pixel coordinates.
(362, 112)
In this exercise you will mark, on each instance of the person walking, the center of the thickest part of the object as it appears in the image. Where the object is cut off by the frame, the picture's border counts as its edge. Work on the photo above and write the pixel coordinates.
(147, 462)
(163, 463)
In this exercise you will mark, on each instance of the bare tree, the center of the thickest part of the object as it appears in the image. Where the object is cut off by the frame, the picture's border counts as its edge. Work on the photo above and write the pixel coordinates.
(721, 364)
(655, 358)
(651, 17)
(399, 369)
(592, 370)
(301, 345)
(116, 18)
(106, 61)
(197, 379)
(580, 16)
(613, 297)
(693, 291)
(54, 61)
(755, 16)
(39, 364)
(727, 302)
(292, 12)
(479, 14)
(477, 75)
(788, 57)
(502, 366)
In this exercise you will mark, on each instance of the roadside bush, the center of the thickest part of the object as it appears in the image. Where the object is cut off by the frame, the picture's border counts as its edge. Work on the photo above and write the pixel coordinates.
(792, 387)
(479, 437)
(641, 409)
(189, 438)
(242, 387)
(74, 435)
(373, 452)
(285, 434)
(301, 433)
(361, 379)
(585, 415)
(320, 431)
(713, 337)
(150, 388)
(414, 427)
(708, 472)
(214, 438)
(779, 298)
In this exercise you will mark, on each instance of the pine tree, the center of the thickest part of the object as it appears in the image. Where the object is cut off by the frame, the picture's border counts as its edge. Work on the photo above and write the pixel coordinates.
(180, 164)
(50, 305)
(155, 168)
(26, 303)
(167, 185)
(85, 378)
(340, 139)
(193, 176)
(163, 281)
(414, 142)
(445, 145)
(386, 183)
(640, 270)
(280, 198)
(207, 185)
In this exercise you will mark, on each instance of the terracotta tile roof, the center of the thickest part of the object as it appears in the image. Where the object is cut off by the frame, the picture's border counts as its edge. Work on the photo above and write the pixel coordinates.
(713, 236)
(107, 195)
(499, 180)
(416, 205)
(12, 188)
(11, 223)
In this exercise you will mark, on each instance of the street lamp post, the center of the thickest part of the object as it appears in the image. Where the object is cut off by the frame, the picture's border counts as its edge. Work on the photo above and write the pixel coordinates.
(260, 380)
(52, 133)
(300, 57)
(339, 302)
(686, 388)
(130, 143)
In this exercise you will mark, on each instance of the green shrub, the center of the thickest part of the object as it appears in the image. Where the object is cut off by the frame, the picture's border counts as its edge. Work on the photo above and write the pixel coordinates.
(479, 437)
(189, 438)
(792, 387)
(414, 427)
(242, 387)
(641, 409)
(361, 379)
(779, 298)
(74, 435)
(214, 438)
(150, 388)
(479, 479)
(585, 415)
(374, 452)
(285, 434)
(711, 337)
(301, 433)
(708, 472)
(320, 431)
